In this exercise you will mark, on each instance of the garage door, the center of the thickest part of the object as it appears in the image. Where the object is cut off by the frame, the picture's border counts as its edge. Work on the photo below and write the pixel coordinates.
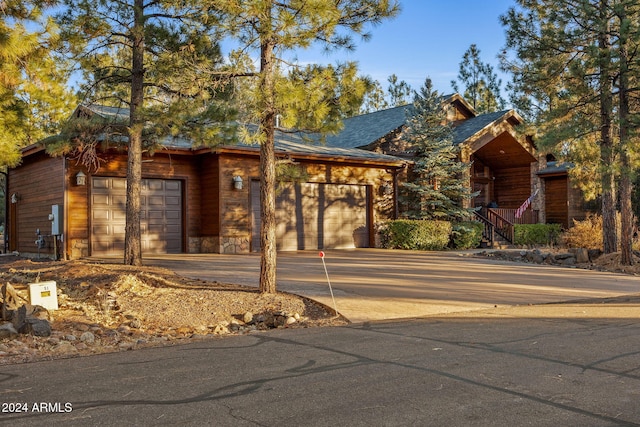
(316, 216)
(160, 217)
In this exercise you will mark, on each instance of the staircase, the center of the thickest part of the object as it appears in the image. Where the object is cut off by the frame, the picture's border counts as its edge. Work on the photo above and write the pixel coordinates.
(498, 231)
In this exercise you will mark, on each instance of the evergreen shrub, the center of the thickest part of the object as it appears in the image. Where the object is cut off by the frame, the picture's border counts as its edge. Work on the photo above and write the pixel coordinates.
(536, 234)
(466, 234)
(425, 235)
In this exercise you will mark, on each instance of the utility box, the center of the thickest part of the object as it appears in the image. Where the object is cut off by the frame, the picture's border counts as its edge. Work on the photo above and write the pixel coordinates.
(44, 294)
(56, 220)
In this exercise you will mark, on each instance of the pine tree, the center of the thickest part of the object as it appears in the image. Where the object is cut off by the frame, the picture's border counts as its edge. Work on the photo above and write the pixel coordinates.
(156, 61)
(481, 83)
(374, 99)
(399, 91)
(272, 28)
(436, 188)
(34, 98)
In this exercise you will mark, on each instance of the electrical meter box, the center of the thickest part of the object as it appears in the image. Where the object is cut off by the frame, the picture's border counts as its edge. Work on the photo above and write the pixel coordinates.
(44, 294)
(56, 220)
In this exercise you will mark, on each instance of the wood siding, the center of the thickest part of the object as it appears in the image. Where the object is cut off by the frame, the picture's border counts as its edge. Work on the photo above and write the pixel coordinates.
(38, 184)
(159, 166)
(511, 186)
(235, 205)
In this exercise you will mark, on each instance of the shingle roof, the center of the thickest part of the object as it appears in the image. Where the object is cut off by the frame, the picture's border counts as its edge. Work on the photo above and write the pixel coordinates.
(293, 143)
(470, 127)
(360, 131)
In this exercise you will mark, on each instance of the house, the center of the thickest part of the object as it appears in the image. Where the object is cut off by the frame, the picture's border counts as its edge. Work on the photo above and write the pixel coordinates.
(206, 200)
(504, 162)
(506, 166)
(197, 199)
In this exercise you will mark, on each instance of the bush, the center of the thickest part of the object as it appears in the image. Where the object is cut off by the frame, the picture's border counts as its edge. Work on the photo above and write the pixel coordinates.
(585, 234)
(415, 235)
(466, 235)
(536, 234)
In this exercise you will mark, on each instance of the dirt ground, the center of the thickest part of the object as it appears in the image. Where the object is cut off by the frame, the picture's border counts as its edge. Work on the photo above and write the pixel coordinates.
(113, 307)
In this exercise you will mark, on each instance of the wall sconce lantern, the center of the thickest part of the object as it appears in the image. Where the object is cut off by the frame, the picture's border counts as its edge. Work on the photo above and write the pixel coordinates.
(15, 198)
(237, 182)
(81, 178)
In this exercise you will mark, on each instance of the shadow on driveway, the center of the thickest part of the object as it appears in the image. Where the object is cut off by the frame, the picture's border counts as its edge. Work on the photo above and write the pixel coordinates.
(376, 284)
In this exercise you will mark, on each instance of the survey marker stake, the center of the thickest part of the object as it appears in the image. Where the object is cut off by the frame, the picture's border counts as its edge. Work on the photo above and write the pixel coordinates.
(335, 308)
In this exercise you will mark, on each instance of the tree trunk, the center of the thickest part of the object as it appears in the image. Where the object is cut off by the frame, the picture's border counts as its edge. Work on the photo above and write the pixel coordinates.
(606, 143)
(132, 239)
(268, 260)
(626, 211)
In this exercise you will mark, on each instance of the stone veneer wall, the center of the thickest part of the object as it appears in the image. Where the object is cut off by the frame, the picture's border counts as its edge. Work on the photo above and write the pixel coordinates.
(79, 248)
(224, 245)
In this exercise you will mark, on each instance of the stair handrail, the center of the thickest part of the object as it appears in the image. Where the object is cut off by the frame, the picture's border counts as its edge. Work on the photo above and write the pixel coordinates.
(503, 226)
(488, 232)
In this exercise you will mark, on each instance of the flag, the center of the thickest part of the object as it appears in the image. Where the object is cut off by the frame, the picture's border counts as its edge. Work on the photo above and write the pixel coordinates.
(523, 207)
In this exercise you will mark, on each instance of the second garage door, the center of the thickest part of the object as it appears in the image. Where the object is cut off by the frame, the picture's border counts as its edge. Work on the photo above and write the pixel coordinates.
(160, 218)
(316, 216)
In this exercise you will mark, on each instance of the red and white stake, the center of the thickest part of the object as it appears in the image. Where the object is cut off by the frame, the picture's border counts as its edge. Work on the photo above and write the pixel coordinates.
(335, 307)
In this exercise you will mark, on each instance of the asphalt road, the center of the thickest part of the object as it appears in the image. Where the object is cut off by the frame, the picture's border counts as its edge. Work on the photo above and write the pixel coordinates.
(516, 364)
(475, 371)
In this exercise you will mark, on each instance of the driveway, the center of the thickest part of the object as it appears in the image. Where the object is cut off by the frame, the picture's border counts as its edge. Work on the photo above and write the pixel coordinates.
(376, 284)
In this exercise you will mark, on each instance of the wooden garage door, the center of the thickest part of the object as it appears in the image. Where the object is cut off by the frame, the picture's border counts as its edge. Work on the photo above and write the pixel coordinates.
(160, 218)
(316, 216)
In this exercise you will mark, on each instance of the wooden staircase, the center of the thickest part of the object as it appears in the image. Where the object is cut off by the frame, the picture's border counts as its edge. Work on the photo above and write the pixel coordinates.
(497, 232)
(499, 224)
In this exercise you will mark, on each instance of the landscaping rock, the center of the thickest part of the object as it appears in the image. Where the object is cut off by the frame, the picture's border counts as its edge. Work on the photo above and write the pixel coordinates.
(31, 319)
(39, 327)
(87, 337)
(582, 255)
(7, 330)
(247, 318)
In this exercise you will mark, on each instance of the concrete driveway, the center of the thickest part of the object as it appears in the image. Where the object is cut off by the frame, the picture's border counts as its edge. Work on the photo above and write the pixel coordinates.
(375, 284)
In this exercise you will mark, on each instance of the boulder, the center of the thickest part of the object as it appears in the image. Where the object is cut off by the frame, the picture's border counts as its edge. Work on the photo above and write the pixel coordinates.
(32, 319)
(8, 331)
(582, 255)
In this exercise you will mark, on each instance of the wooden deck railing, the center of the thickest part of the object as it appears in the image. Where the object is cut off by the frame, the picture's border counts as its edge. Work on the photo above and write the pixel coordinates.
(528, 217)
(502, 226)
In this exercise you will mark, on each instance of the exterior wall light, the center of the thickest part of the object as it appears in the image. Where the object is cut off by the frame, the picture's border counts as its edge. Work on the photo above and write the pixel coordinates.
(237, 182)
(81, 178)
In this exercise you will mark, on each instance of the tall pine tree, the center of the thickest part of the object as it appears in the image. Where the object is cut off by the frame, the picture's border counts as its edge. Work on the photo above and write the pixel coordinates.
(34, 98)
(156, 61)
(271, 28)
(436, 188)
(480, 82)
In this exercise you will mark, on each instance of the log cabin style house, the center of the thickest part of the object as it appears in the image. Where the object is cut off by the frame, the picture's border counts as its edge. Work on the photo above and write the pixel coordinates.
(206, 200)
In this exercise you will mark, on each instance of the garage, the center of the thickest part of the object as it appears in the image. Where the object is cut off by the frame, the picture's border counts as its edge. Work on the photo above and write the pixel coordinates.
(160, 217)
(316, 216)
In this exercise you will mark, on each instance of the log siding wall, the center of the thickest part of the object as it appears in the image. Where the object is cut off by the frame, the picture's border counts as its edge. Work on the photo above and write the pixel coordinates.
(38, 184)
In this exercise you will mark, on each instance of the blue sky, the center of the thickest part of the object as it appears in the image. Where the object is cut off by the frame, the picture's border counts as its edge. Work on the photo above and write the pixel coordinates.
(428, 38)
